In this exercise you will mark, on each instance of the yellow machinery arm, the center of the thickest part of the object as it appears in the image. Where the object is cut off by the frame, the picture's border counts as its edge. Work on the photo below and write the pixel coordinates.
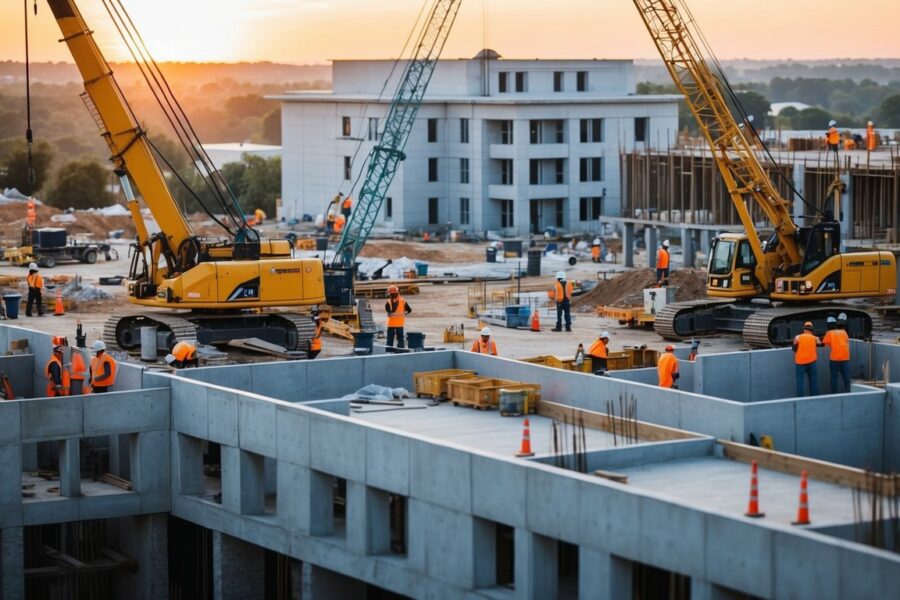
(744, 176)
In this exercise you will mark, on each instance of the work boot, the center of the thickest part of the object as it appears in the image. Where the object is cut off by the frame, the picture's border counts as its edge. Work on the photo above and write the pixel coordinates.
(569, 329)
(556, 329)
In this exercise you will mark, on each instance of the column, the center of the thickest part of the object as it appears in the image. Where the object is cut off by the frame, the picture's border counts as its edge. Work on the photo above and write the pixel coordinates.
(70, 468)
(321, 584)
(799, 172)
(12, 563)
(628, 244)
(706, 238)
(846, 211)
(687, 247)
(239, 568)
(602, 575)
(537, 572)
(897, 285)
(704, 590)
(650, 235)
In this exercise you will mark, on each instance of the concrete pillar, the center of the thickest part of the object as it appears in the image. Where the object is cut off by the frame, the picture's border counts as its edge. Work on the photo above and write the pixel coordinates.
(687, 247)
(704, 590)
(799, 173)
(70, 468)
(650, 236)
(188, 453)
(377, 520)
(706, 238)
(253, 483)
(119, 463)
(846, 211)
(297, 579)
(293, 489)
(322, 584)
(358, 534)
(12, 563)
(230, 458)
(537, 571)
(320, 502)
(145, 539)
(628, 244)
(602, 575)
(239, 568)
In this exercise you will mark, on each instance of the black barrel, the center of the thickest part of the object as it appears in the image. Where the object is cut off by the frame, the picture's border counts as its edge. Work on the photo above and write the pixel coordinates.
(534, 262)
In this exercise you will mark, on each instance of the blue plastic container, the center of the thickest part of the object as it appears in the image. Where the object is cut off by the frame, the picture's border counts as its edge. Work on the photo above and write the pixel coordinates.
(415, 340)
(513, 318)
(364, 340)
(12, 305)
(421, 269)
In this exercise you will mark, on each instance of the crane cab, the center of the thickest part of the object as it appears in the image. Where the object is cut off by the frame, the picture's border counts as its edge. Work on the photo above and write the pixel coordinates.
(731, 268)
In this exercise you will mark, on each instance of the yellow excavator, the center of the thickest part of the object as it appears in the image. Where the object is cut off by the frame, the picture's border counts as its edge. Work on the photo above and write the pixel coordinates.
(794, 270)
(218, 285)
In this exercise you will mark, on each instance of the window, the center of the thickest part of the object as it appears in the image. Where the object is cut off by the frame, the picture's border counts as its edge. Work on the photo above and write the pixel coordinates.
(432, 130)
(388, 208)
(463, 211)
(506, 171)
(560, 214)
(464, 170)
(559, 134)
(558, 81)
(503, 86)
(520, 81)
(560, 170)
(373, 129)
(464, 131)
(347, 168)
(581, 81)
(345, 126)
(534, 168)
(432, 169)
(534, 132)
(506, 213)
(433, 211)
(589, 208)
(591, 169)
(640, 129)
(506, 132)
(591, 131)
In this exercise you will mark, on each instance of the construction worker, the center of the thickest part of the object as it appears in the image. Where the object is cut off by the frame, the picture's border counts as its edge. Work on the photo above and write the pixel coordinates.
(833, 140)
(77, 373)
(339, 222)
(838, 343)
(561, 293)
(599, 353)
(484, 344)
(31, 213)
(871, 136)
(56, 373)
(662, 264)
(595, 250)
(315, 344)
(260, 216)
(329, 223)
(805, 357)
(103, 369)
(35, 289)
(346, 207)
(667, 368)
(397, 308)
(183, 355)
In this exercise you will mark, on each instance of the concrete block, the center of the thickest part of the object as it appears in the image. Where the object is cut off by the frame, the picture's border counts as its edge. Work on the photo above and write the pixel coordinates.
(338, 447)
(319, 499)
(10, 486)
(387, 461)
(417, 515)
(292, 433)
(441, 476)
(357, 518)
(256, 425)
(238, 569)
(253, 490)
(609, 519)
(334, 378)
(602, 575)
(450, 546)
(126, 412)
(293, 486)
(551, 501)
(11, 417)
(188, 476)
(866, 573)
(190, 409)
(495, 485)
(109, 506)
(734, 548)
(805, 567)
(52, 418)
(672, 537)
(223, 406)
(281, 380)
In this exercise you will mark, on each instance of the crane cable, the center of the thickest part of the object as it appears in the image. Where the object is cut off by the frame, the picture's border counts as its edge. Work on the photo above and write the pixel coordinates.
(30, 175)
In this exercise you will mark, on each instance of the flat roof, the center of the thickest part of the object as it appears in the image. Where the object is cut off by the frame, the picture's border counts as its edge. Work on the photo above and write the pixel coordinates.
(319, 96)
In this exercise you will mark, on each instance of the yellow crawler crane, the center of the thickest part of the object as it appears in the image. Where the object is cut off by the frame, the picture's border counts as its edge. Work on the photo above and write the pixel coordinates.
(218, 284)
(797, 267)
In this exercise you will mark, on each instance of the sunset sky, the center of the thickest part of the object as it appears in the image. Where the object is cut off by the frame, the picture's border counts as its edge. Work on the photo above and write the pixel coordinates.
(301, 31)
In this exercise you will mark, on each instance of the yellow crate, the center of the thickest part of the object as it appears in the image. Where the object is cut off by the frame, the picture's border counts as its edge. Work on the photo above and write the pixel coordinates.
(484, 392)
(434, 383)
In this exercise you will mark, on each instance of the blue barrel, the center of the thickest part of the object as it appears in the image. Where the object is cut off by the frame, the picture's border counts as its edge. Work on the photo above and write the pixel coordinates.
(12, 305)
(524, 316)
(421, 269)
(512, 316)
(415, 340)
(364, 340)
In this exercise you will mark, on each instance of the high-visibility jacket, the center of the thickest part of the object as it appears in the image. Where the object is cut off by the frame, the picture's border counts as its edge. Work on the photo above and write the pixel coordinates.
(348, 203)
(595, 252)
(31, 213)
(805, 348)
(871, 138)
(482, 347)
(260, 215)
(316, 342)
(833, 136)
(62, 381)
(35, 280)
(78, 369)
(98, 367)
(559, 294)
(667, 367)
(662, 259)
(339, 222)
(598, 349)
(839, 343)
(396, 310)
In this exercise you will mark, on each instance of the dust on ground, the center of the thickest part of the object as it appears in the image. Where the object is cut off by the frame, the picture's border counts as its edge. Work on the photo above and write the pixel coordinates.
(433, 252)
(627, 289)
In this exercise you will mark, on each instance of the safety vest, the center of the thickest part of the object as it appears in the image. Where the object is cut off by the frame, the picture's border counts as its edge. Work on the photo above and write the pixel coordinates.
(316, 342)
(598, 349)
(806, 349)
(556, 292)
(397, 317)
(667, 367)
(339, 223)
(97, 379)
(31, 213)
(348, 203)
(832, 136)
(871, 140)
(78, 368)
(482, 347)
(662, 259)
(64, 378)
(595, 252)
(839, 343)
(35, 280)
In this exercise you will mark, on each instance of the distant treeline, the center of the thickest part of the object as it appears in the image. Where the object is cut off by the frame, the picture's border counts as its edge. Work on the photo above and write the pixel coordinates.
(882, 71)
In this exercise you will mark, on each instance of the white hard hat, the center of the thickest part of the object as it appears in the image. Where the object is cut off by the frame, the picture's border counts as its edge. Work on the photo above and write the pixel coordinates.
(870, 123)
(831, 320)
(832, 123)
(560, 275)
(98, 345)
(486, 331)
(665, 243)
(605, 334)
(842, 317)
(170, 358)
(596, 241)
(33, 267)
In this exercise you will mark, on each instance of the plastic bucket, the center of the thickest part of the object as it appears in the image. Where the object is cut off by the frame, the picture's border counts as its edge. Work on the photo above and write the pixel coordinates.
(421, 269)
(363, 340)
(12, 305)
(512, 402)
(415, 340)
(524, 316)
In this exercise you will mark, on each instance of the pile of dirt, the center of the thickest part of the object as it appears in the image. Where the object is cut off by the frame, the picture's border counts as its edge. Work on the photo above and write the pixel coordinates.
(430, 252)
(627, 289)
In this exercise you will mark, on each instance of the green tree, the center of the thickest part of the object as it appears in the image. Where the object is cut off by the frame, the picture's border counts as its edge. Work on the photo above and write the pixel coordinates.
(271, 128)
(261, 183)
(888, 114)
(251, 105)
(811, 118)
(14, 165)
(80, 184)
(753, 104)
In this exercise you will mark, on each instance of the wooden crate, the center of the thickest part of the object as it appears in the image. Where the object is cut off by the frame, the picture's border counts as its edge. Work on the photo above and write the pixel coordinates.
(484, 392)
(434, 383)
(545, 360)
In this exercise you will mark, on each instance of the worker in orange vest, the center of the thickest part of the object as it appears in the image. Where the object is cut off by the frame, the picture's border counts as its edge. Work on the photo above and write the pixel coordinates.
(805, 357)
(77, 372)
(103, 369)
(35, 289)
(662, 264)
(561, 293)
(833, 139)
(339, 222)
(838, 343)
(595, 250)
(599, 353)
(484, 344)
(57, 375)
(183, 355)
(346, 207)
(667, 368)
(315, 344)
(31, 213)
(397, 308)
(260, 216)
(871, 136)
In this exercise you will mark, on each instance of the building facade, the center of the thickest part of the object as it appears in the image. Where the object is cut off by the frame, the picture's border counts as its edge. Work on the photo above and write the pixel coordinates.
(514, 146)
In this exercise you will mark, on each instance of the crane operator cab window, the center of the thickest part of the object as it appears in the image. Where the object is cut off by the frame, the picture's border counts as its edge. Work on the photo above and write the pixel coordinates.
(822, 241)
(721, 258)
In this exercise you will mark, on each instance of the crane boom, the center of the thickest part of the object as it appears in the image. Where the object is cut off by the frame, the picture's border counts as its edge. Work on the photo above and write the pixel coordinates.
(385, 157)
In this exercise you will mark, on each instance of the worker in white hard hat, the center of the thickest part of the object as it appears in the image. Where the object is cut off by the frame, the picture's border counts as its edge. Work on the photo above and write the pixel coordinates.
(838, 342)
(599, 353)
(662, 264)
(484, 344)
(35, 289)
(103, 369)
(561, 293)
(833, 140)
(596, 249)
(871, 136)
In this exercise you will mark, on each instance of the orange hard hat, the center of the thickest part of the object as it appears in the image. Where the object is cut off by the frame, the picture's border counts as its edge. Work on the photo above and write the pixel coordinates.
(59, 340)
(184, 351)
(393, 290)
(670, 348)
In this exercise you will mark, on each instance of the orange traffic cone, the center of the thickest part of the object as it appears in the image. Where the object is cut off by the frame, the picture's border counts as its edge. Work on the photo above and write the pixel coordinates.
(803, 511)
(525, 449)
(753, 505)
(58, 310)
(535, 321)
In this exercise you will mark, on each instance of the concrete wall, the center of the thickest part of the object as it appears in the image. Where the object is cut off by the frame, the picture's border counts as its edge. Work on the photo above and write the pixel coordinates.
(20, 370)
(892, 429)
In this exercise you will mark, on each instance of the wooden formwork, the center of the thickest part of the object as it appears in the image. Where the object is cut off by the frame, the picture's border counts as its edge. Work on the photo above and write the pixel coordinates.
(434, 383)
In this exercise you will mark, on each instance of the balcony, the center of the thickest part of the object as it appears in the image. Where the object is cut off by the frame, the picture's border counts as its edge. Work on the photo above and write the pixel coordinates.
(548, 151)
(543, 192)
(502, 192)
(502, 151)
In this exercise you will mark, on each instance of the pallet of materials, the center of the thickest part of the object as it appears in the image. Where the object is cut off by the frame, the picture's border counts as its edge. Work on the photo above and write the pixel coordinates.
(378, 289)
(434, 383)
(483, 393)
(631, 316)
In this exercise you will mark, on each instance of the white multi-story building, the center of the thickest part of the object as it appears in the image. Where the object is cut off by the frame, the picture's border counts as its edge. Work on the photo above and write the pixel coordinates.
(508, 145)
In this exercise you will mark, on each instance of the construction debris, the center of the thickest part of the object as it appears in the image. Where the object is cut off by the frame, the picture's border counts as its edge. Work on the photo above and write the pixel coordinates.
(628, 288)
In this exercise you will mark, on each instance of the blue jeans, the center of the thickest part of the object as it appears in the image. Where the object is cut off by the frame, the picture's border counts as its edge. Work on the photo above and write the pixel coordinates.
(397, 332)
(810, 371)
(842, 368)
(564, 308)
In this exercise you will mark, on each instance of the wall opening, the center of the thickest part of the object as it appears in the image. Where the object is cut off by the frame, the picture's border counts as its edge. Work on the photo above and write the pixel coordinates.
(567, 570)
(505, 555)
(652, 582)
(398, 523)
(190, 560)
(339, 506)
(279, 578)
(212, 472)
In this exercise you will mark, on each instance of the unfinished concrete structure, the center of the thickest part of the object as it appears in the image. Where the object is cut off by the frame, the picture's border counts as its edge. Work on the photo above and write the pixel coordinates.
(259, 481)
